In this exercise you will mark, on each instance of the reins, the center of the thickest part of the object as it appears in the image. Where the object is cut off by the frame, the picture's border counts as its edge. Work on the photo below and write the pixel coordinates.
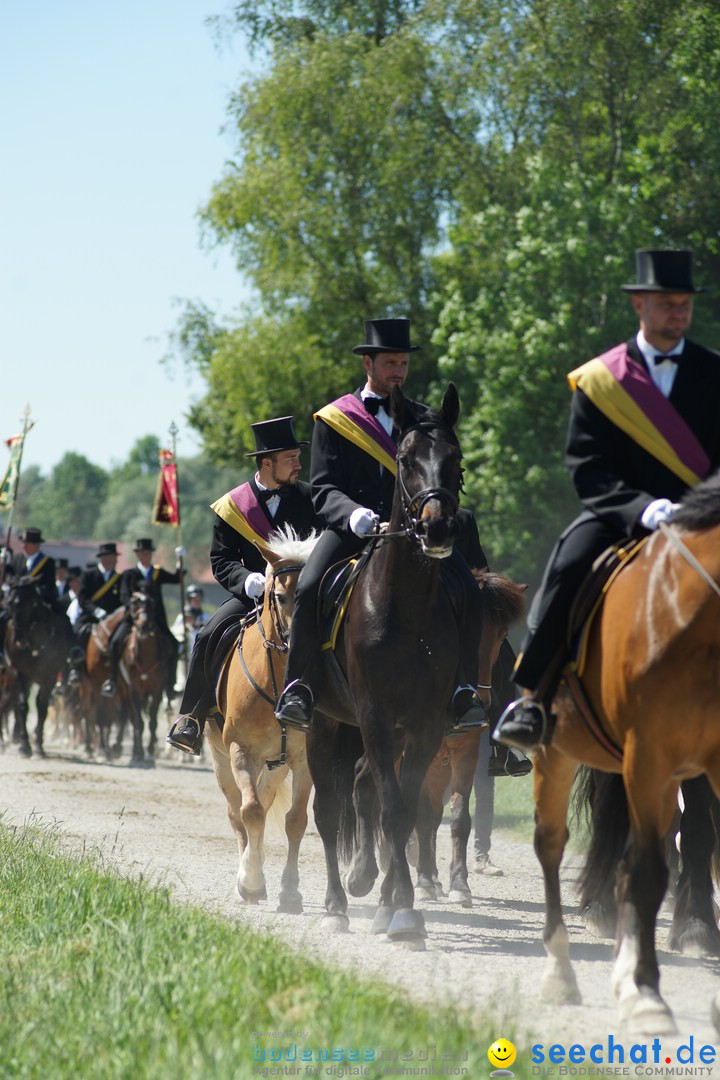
(671, 535)
(413, 505)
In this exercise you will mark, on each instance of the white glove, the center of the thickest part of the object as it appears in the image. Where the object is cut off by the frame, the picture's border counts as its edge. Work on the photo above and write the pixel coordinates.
(99, 613)
(363, 522)
(254, 585)
(180, 553)
(657, 511)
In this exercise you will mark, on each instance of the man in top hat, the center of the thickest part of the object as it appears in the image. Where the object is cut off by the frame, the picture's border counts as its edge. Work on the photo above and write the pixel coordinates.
(149, 578)
(274, 497)
(70, 594)
(33, 562)
(61, 577)
(352, 493)
(98, 596)
(643, 429)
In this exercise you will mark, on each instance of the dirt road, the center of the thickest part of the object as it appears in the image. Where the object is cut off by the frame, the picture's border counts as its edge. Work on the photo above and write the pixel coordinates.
(167, 822)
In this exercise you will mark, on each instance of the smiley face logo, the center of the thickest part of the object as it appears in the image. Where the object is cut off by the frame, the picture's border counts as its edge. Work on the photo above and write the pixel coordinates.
(502, 1053)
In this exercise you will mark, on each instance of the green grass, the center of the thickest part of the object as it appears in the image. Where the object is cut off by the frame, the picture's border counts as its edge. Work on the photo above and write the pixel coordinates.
(515, 812)
(104, 977)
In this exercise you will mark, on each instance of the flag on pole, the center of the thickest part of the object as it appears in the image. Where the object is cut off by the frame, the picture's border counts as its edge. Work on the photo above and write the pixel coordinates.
(166, 510)
(8, 487)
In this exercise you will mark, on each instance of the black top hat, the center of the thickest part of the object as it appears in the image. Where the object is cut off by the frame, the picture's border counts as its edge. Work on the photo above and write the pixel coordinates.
(62, 564)
(272, 436)
(145, 544)
(106, 549)
(194, 590)
(663, 270)
(74, 571)
(32, 536)
(386, 335)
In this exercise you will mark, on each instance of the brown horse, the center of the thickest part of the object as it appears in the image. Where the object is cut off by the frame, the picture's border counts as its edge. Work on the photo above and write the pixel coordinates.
(453, 767)
(652, 680)
(144, 667)
(98, 712)
(252, 754)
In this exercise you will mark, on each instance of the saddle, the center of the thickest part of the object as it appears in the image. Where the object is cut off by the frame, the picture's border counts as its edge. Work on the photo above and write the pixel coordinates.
(102, 631)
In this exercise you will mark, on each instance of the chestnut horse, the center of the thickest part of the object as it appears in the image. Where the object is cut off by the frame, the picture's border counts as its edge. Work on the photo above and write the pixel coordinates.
(653, 682)
(453, 767)
(397, 650)
(252, 754)
(144, 667)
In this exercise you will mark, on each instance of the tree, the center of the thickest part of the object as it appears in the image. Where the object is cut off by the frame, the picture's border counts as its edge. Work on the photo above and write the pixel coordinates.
(66, 506)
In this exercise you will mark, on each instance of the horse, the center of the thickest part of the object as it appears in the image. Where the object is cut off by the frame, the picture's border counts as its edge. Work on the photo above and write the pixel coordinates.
(397, 650)
(99, 712)
(251, 754)
(601, 796)
(652, 683)
(36, 643)
(144, 667)
(453, 767)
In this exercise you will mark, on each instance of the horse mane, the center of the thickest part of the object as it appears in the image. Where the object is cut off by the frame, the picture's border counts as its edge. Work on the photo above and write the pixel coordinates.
(286, 544)
(503, 599)
(700, 507)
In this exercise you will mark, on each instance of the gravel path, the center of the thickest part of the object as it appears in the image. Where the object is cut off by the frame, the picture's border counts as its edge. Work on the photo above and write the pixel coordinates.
(168, 823)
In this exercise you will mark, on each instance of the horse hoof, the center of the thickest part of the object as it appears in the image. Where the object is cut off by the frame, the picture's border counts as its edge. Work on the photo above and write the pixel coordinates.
(24, 748)
(650, 1015)
(426, 892)
(461, 897)
(407, 924)
(696, 939)
(335, 924)
(439, 891)
(290, 905)
(559, 989)
(359, 884)
(382, 920)
(600, 922)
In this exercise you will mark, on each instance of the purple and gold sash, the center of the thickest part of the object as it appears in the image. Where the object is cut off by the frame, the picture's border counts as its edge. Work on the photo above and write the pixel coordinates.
(242, 511)
(624, 392)
(349, 418)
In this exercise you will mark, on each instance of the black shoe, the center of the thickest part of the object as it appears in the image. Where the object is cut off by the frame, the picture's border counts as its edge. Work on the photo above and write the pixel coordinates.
(295, 706)
(186, 734)
(108, 688)
(507, 761)
(524, 725)
(468, 711)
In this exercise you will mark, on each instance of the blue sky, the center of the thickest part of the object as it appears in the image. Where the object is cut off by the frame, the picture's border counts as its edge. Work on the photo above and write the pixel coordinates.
(111, 140)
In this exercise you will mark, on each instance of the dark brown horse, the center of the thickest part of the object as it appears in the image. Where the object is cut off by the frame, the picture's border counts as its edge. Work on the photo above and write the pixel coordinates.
(36, 644)
(398, 651)
(653, 681)
(144, 669)
(453, 767)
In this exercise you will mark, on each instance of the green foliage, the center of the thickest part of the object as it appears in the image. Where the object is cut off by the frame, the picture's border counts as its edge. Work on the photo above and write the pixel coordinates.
(111, 974)
(66, 506)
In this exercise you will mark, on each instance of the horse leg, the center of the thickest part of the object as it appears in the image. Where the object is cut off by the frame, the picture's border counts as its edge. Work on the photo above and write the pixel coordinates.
(20, 732)
(245, 770)
(329, 748)
(363, 871)
(694, 930)
(464, 750)
(152, 721)
(642, 881)
(42, 702)
(290, 899)
(427, 822)
(554, 775)
(134, 704)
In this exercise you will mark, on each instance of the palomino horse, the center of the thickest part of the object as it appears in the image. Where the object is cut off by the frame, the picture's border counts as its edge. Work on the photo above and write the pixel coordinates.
(36, 644)
(252, 755)
(453, 767)
(653, 682)
(694, 929)
(398, 649)
(144, 667)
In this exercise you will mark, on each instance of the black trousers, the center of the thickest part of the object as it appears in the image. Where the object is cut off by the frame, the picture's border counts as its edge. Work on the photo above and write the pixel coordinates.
(545, 649)
(199, 694)
(305, 630)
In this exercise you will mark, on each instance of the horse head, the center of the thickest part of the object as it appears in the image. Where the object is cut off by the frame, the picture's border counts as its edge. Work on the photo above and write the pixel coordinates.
(142, 611)
(429, 473)
(26, 609)
(285, 555)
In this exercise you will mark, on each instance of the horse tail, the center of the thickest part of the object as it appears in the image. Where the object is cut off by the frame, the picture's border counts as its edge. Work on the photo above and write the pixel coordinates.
(600, 799)
(348, 748)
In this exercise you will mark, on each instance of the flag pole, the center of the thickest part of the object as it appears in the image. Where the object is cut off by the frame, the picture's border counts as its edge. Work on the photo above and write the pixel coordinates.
(173, 431)
(27, 424)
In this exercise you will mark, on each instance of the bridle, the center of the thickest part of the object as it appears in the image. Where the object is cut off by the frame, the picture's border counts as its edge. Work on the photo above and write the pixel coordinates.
(282, 632)
(413, 505)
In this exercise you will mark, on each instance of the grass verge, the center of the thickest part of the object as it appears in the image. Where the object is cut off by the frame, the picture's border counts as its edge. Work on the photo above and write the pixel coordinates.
(105, 977)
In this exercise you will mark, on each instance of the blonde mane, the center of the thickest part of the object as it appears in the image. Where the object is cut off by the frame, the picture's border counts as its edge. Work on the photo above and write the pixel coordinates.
(286, 544)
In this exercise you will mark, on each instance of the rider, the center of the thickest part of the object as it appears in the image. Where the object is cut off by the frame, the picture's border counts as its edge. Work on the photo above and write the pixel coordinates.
(149, 578)
(643, 428)
(34, 563)
(352, 493)
(98, 596)
(274, 497)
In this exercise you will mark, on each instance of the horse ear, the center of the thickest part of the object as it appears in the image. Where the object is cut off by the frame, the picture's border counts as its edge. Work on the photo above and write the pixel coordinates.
(397, 408)
(268, 555)
(451, 406)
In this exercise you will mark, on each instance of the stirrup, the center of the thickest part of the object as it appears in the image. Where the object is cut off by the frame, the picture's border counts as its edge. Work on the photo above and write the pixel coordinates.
(524, 725)
(298, 713)
(188, 743)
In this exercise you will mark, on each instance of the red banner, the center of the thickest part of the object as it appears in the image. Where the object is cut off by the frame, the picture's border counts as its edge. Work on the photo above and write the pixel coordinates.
(167, 504)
